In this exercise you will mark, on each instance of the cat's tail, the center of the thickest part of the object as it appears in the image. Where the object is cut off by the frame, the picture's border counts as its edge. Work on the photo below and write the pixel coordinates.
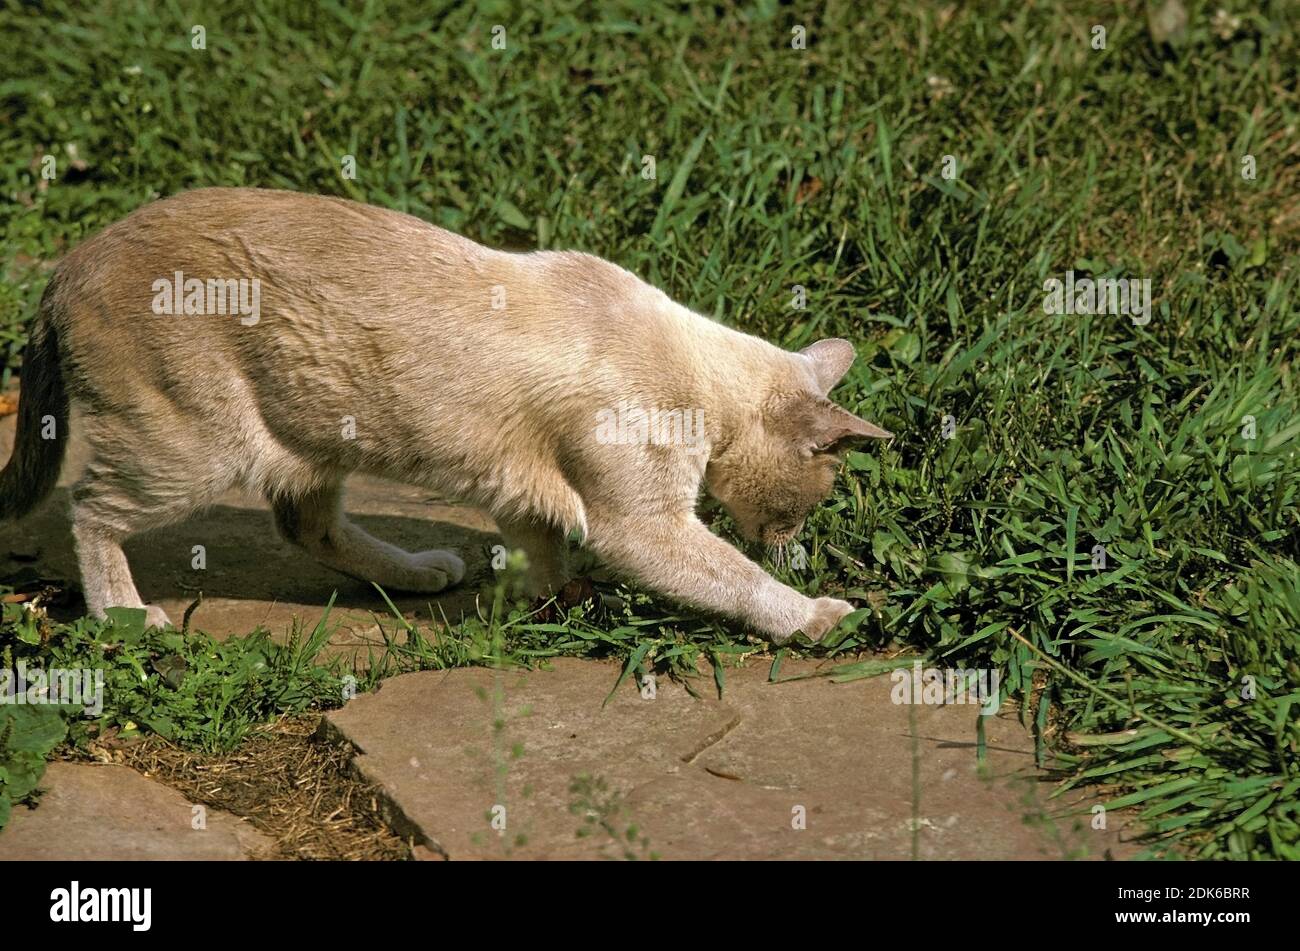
(42, 435)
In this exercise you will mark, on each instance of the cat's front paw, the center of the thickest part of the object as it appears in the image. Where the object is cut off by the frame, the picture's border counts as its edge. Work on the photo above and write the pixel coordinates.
(155, 616)
(826, 613)
(821, 616)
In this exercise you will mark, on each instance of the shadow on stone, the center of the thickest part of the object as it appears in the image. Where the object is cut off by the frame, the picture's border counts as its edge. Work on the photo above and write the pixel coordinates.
(250, 574)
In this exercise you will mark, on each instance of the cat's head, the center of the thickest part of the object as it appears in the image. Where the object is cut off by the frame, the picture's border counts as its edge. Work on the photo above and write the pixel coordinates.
(782, 461)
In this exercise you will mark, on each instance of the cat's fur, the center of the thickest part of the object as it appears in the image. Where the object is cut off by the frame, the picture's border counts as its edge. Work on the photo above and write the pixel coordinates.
(379, 317)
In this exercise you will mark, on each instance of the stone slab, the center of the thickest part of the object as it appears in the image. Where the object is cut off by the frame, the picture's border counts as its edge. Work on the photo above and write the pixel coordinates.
(104, 812)
(798, 770)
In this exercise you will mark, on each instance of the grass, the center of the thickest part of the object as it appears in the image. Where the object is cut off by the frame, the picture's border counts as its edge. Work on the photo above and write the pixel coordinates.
(1169, 674)
(187, 687)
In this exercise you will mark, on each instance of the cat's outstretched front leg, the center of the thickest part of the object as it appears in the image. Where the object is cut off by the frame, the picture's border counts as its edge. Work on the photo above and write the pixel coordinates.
(679, 557)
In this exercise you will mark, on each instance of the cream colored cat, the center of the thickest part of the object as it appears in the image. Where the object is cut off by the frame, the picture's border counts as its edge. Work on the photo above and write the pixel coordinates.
(278, 342)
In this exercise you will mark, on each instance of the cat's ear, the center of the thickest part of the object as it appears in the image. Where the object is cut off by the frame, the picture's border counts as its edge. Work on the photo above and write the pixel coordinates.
(830, 359)
(835, 428)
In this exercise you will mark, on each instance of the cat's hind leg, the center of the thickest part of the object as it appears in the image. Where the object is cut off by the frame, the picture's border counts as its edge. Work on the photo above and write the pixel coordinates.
(108, 507)
(314, 521)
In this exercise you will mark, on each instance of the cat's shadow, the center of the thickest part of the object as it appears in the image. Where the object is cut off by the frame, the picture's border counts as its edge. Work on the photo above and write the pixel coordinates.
(232, 553)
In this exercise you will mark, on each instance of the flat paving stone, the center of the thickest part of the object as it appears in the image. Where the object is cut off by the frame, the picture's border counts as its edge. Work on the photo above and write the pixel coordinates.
(450, 748)
(797, 770)
(108, 812)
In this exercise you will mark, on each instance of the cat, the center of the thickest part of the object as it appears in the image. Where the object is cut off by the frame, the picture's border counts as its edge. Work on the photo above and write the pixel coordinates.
(275, 341)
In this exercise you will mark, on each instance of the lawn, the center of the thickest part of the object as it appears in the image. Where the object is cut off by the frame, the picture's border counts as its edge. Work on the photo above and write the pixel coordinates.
(1103, 508)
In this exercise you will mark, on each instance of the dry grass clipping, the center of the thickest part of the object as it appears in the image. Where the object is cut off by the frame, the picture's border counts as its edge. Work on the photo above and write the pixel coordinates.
(291, 785)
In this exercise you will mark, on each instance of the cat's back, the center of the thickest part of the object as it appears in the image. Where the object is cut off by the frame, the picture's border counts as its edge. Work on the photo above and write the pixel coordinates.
(164, 281)
(253, 232)
(348, 295)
